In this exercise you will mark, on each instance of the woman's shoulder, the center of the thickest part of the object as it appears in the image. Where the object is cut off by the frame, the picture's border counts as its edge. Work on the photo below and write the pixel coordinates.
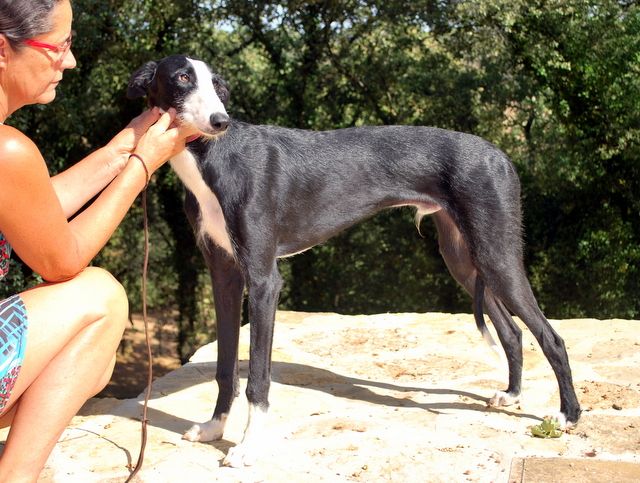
(15, 146)
(17, 152)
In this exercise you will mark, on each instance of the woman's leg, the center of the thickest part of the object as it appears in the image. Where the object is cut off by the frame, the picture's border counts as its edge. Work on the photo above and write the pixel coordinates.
(74, 329)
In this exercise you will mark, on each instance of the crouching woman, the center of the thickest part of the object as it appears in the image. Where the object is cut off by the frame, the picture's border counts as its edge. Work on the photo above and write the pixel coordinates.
(58, 340)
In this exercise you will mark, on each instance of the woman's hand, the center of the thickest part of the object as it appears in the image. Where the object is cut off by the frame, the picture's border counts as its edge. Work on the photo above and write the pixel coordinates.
(123, 143)
(161, 141)
(126, 140)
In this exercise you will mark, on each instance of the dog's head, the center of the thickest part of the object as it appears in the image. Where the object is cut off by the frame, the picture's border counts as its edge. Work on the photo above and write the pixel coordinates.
(198, 95)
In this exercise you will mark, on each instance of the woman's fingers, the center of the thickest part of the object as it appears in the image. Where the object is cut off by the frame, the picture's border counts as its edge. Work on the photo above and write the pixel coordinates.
(144, 121)
(165, 120)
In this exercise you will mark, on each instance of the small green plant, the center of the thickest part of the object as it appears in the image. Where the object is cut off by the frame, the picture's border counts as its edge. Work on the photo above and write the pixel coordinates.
(548, 428)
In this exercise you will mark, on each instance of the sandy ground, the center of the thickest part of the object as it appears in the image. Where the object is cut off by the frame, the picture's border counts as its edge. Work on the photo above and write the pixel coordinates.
(389, 397)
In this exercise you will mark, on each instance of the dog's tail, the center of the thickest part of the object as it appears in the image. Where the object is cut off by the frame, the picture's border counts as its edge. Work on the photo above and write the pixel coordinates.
(478, 301)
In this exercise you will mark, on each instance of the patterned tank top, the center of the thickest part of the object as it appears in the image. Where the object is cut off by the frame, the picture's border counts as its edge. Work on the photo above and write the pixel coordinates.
(5, 253)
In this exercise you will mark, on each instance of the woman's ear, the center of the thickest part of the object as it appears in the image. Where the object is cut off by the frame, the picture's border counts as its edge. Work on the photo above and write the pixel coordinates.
(4, 45)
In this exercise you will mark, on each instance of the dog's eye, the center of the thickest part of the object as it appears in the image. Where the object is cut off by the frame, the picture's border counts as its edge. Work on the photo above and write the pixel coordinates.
(184, 78)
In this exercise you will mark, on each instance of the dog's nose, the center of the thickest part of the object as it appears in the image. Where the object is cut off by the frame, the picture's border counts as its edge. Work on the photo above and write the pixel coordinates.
(219, 121)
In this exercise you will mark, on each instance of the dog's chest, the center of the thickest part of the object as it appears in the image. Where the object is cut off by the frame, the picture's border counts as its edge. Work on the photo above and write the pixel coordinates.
(211, 222)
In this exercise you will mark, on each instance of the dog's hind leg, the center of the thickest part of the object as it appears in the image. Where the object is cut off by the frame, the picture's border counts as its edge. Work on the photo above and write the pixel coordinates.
(457, 257)
(516, 294)
(510, 336)
(263, 290)
(497, 255)
(228, 286)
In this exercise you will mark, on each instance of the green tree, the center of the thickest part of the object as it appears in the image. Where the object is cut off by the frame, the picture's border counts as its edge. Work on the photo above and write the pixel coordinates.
(555, 84)
(564, 75)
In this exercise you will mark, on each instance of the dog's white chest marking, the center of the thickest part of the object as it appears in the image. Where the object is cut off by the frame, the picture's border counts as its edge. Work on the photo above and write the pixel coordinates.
(211, 222)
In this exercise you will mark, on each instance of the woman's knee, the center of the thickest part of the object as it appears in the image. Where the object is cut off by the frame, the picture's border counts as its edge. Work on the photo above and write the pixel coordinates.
(109, 296)
(103, 379)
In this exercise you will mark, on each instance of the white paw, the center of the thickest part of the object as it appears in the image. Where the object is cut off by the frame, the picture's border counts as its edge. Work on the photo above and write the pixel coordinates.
(255, 439)
(209, 431)
(501, 399)
(240, 456)
(562, 420)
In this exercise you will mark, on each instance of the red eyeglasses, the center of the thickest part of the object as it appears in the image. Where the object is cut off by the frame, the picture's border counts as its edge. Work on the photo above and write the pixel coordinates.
(60, 48)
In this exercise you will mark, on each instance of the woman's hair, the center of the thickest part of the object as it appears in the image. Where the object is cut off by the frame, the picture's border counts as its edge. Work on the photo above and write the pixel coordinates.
(25, 19)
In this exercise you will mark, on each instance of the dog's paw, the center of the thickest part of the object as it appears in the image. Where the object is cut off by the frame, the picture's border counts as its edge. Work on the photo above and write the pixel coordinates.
(563, 423)
(240, 456)
(209, 431)
(502, 399)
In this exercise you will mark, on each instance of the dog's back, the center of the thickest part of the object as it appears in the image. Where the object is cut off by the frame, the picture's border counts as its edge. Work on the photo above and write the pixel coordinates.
(310, 179)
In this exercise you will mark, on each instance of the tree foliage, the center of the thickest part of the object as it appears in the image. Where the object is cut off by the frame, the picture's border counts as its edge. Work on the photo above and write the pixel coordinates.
(555, 84)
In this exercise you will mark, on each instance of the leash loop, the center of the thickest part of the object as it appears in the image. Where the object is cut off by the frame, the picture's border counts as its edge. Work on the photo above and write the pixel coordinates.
(146, 172)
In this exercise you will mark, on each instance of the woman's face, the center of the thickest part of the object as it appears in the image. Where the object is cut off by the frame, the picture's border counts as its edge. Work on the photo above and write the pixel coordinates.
(32, 73)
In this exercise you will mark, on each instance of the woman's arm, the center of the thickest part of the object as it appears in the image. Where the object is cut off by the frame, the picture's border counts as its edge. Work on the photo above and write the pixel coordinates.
(81, 182)
(76, 185)
(33, 219)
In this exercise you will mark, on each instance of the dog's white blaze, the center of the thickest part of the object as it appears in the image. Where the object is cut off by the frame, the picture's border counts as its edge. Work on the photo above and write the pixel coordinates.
(211, 221)
(199, 106)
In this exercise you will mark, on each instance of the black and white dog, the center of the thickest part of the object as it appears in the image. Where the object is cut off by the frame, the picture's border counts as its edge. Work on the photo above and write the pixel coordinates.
(258, 193)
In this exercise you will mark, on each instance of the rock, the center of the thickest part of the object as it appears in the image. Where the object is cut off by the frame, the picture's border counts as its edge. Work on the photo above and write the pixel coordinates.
(388, 397)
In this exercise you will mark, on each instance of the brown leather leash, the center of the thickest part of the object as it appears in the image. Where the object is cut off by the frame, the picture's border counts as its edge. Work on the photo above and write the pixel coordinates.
(143, 436)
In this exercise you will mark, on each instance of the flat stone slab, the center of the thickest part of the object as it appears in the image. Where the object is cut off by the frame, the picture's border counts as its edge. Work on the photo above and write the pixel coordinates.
(388, 397)
(561, 470)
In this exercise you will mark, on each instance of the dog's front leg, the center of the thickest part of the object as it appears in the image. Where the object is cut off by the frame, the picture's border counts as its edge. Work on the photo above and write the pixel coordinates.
(264, 290)
(228, 285)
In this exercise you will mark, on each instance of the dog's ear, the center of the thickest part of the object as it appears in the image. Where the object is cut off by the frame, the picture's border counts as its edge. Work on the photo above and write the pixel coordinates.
(141, 79)
(222, 88)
